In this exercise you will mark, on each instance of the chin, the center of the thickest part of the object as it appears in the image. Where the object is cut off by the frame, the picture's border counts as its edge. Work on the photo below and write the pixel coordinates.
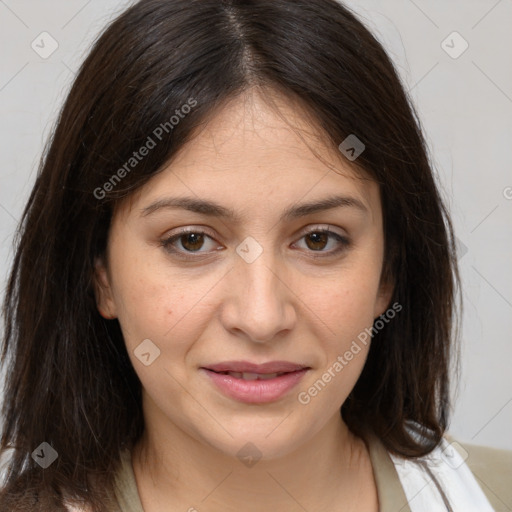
(253, 443)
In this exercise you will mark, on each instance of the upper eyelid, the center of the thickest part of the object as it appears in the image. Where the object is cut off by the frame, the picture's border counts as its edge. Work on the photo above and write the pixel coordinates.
(302, 232)
(312, 229)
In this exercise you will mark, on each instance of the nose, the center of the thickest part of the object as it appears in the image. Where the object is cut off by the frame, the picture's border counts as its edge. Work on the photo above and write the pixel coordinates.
(259, 303)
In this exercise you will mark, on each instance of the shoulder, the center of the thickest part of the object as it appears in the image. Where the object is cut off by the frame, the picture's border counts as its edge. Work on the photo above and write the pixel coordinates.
(473, 478)
(492, 468)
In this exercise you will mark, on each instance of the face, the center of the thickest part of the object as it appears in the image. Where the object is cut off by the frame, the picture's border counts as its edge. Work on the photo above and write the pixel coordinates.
(256, 286)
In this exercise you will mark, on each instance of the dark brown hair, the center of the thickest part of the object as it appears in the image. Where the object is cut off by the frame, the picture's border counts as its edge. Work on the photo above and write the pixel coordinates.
(69, 380)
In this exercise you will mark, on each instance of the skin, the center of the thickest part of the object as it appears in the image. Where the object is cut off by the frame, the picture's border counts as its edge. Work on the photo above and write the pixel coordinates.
(285, 305)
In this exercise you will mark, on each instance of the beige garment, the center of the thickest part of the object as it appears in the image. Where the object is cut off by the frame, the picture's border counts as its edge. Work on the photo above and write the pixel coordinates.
(492, 469)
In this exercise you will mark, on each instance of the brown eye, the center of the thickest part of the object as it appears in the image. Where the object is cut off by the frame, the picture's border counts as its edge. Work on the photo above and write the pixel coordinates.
(318, 241)
(189, 241)
(192, 241)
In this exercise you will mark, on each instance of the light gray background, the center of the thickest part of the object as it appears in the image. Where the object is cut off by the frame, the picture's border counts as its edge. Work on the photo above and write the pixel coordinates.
(465, 105)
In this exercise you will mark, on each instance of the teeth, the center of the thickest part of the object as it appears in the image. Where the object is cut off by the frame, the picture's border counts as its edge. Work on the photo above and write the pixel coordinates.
(265, 376)
(249, 376)
(254, 376)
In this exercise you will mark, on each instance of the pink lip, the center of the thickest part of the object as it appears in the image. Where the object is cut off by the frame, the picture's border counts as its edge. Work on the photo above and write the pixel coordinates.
(256, 391)
(246, 366)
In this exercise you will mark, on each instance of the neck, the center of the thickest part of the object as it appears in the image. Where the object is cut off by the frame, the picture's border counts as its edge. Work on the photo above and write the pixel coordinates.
(332, 471)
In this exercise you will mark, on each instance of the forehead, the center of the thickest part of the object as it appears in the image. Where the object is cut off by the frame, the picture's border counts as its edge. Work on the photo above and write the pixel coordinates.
(252, 154)
(255, 130)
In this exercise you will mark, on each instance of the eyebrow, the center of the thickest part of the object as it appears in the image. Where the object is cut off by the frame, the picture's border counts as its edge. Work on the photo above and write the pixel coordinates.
(214, 209)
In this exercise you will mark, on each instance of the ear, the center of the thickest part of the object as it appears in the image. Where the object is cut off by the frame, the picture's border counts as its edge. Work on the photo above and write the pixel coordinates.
(103, 290)
(384, 295)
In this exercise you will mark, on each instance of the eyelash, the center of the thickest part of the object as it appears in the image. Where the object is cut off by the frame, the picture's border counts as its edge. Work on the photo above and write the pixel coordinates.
(167, 243)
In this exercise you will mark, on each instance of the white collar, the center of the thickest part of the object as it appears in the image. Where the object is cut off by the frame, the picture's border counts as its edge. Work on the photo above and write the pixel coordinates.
(440, 482)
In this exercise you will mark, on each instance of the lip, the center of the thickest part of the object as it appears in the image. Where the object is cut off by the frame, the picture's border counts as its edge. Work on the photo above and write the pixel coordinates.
(255, 391)
(247, 366)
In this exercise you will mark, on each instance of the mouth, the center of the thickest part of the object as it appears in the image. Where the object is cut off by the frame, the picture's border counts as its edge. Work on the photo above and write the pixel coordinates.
(253, 376)
(247, 367)
(253, 383)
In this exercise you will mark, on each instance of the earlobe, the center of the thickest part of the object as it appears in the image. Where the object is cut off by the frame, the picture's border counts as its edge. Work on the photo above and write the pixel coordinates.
(103, 291)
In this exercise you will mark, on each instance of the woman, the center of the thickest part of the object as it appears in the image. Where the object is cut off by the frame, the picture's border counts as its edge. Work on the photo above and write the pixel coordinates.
(235, 279)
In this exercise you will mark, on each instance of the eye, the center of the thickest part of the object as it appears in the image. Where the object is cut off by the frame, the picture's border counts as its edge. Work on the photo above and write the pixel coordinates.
(318, 239)
(190, 240)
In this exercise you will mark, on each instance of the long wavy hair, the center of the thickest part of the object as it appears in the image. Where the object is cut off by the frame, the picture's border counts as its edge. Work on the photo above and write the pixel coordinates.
(69, 380)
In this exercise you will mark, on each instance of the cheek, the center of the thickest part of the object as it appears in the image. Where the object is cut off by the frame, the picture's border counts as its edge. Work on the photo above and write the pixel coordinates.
(346, 307)
(148, 304)
(347, 303)
(143, 310)
(169, 308)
